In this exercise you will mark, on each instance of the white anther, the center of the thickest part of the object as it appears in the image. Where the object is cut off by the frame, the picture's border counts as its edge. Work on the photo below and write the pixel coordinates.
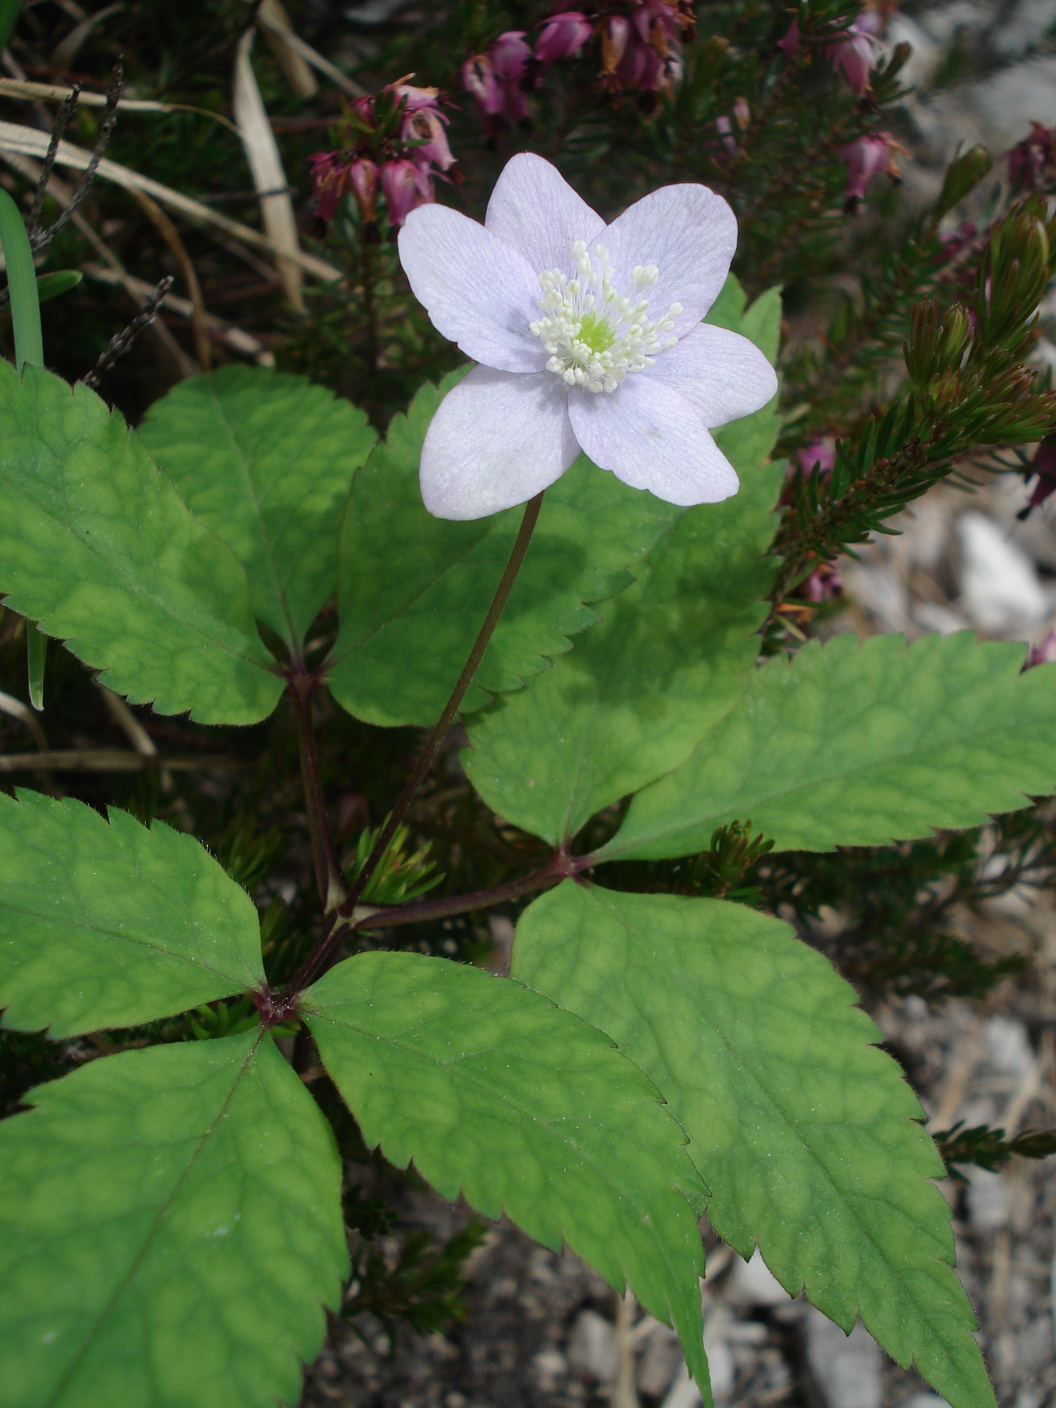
(591, 349)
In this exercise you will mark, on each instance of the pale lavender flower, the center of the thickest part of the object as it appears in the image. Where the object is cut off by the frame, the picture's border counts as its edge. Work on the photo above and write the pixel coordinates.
(588, 337)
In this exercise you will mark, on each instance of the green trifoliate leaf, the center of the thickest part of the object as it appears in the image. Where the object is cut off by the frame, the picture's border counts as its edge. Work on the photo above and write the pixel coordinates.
(807, 1135)
(413, 589)
(633, 696)
(265, 461)
(858, 745)
(170, 1229)
(109, 924)
(525, 1110)
(97, 546)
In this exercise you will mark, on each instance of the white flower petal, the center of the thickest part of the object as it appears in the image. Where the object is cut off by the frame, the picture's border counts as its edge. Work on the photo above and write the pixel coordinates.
(651, 437)
(690, 234)
(536, 211)
(721, 374)
(477, 291)
(496, 440)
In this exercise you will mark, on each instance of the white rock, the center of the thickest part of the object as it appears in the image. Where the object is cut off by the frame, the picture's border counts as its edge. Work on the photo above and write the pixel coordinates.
(753, 1283)
(683, 1393)
(549, 1368)
(1015, 97)
(1007, 1047)
(1000, 590)
(592, 1347)
(987, 1198)
(660, 1362)
(717, 1322)
(925, 1400)
(1023, 26)
(846, 1368)
(944, 22)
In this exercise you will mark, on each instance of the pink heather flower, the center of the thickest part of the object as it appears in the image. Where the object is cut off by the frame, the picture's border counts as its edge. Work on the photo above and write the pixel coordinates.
(1031, 160)
(819, 456)
(497, 79)
(561, 36)
(867, 158)
(789, 45)
(329, 182)
(397, 143)
(823, 584)
(855, 53)
(643, 52)
(615, 33)
(363, 182)
(415, 99)
(481, 81)
(588, 337)
(1044, 653)
(405, 187)
(427, 126)
(1045, 468)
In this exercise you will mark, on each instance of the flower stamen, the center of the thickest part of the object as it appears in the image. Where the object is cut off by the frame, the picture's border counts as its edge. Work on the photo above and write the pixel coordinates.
(595, 334)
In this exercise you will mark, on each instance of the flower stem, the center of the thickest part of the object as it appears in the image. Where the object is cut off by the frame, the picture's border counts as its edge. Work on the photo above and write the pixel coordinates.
(302, 686)
(340, 916)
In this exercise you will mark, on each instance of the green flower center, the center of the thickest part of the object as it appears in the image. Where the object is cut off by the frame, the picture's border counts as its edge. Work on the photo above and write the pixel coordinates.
(595, 333)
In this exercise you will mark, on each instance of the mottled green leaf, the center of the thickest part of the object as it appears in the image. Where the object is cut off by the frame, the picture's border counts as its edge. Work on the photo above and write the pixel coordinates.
(525, 1110)
(170, 1229)
(111, 924)
(266, 461)
(807, 1135)
(632, 697)
(858, 745)
(414, 590)
(97, 546)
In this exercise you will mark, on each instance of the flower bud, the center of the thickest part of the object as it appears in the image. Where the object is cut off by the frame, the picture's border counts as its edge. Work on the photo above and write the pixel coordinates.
(962, 176)
(954, 335)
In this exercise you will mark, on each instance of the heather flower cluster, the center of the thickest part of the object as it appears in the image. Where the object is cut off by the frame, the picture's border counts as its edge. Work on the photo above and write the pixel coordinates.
(588, 337)
(397, 144)
(638, 45)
